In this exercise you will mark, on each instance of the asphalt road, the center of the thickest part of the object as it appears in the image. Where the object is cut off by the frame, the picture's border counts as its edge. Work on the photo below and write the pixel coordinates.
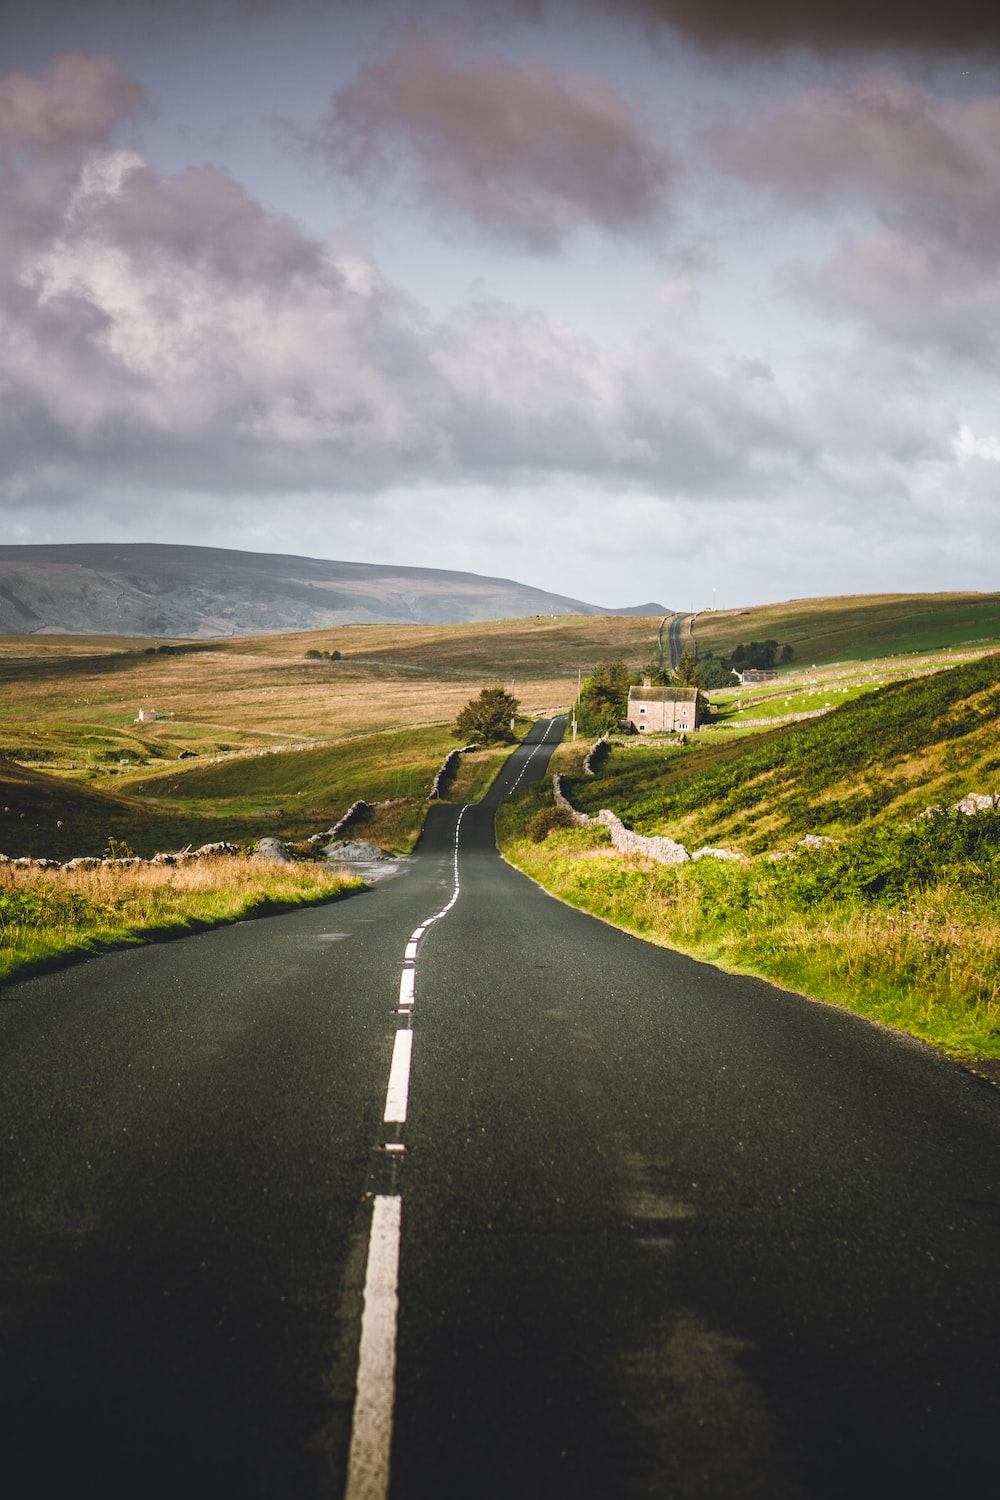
(663, 1231)
(674, 636)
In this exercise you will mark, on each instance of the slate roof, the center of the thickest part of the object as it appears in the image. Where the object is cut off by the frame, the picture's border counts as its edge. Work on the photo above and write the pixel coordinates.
(662, 694)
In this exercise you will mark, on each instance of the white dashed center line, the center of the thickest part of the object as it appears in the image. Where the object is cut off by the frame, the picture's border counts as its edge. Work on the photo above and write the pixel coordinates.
(398, 1093)
(371, 1433)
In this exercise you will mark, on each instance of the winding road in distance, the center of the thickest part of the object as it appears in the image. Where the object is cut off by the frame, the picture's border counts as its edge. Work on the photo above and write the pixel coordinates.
(632, 1227)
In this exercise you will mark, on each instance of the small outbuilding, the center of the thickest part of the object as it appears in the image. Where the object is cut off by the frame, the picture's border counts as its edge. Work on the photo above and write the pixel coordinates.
(146, 716)
(663, 710)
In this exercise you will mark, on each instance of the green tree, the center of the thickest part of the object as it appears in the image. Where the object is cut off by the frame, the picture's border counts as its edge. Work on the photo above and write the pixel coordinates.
(488, 717)
(687, 672)
(715, 672)
(603, 698)
(653, 673)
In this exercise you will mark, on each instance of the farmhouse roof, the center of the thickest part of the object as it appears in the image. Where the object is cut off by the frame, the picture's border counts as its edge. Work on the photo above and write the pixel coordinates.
(662, 694)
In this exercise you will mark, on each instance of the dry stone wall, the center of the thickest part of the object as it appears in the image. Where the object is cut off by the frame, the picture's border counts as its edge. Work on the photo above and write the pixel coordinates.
(668, 852)
(595, 756)
(133, 861)
(656, 846)
(446, 770)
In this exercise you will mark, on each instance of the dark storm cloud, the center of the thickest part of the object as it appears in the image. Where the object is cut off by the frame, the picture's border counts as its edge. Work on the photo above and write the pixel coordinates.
(520, 150)
(930, 25)
(935, 25)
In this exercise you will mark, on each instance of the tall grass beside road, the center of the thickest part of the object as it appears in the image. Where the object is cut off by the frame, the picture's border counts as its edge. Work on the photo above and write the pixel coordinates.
(859, 881)
(926, 961)
(50, 917)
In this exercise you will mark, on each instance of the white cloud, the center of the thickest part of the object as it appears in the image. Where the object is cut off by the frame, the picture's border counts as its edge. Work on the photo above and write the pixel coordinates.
(967, 445)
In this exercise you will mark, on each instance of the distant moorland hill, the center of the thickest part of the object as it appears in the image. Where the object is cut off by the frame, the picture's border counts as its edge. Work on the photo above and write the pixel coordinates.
(148, 589)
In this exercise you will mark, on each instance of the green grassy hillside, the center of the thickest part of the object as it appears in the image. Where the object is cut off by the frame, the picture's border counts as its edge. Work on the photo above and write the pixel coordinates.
(299, 792)
(45, 816)
(883, 756)
(856, 628)
(289, 794)
(892, 911)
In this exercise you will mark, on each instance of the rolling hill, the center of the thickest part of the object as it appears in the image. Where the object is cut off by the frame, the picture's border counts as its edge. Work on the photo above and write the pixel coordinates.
(855, 627)
(148, 589)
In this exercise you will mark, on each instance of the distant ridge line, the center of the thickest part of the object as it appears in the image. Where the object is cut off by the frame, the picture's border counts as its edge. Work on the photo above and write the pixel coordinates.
(172, 590)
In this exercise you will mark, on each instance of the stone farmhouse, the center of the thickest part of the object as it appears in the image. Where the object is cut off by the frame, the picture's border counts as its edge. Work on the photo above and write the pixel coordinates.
(663, 710)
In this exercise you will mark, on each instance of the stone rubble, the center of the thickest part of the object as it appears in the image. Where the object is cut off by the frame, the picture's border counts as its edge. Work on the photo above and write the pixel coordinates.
(275, 851)
(356, 851)
(977, 802)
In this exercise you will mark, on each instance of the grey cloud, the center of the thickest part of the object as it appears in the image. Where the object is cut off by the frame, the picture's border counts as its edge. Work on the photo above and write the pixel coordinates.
(76, 102)
(171, 334)
(202, 216)
(880, 137)
(921, 291)
(924, 168)
(534, 397)
(178, 318)
(521, 151)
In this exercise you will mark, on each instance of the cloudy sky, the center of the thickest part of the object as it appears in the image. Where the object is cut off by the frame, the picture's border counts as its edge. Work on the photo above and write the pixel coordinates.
(676, 300)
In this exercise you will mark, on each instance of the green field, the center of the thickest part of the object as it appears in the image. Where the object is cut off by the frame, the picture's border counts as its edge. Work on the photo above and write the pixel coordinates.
(239, 798)
(857, 628)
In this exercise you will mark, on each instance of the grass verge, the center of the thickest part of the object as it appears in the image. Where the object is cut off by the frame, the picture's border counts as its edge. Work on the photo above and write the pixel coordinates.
(924, 959)
(52, 917)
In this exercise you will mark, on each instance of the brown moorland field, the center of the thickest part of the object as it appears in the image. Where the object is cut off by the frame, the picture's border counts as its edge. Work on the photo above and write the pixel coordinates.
(366, 725)
(540, 646)
(69, 707)
(73, 711)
